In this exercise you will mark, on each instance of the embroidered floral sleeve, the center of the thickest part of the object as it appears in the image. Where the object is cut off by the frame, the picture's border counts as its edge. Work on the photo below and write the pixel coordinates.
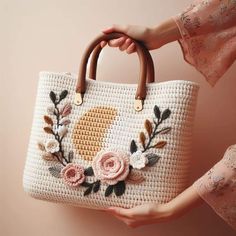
(218, 187)
(208, 30)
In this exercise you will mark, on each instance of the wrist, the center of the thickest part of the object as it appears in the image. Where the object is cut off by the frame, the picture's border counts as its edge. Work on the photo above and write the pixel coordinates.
(184, 202)
(172, 209)
(164, 33)
(162, 212)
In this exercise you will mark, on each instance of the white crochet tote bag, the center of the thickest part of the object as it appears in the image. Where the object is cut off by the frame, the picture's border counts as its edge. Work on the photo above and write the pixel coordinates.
(96, 144)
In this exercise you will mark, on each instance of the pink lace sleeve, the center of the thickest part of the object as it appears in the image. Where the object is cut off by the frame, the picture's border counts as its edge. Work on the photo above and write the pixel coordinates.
(218, 187)
(208, 30)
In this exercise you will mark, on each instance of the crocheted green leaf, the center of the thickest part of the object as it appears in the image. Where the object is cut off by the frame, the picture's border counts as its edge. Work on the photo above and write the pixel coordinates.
(148, 127)
(70, 156)
(152, 159)
(88, 190)
(157, 112)
(119, 188)
(160, 144)
(48, 120)
(52, 96)
(86, 184)
(165, 130)
(109, 190)
(63, 94)
(89, 171)
(133, 146)
(55, 171)
(47, 156)
(41, 146)
(48, 130)
(166, 113)
(135, 177)
(142, 138)
(96, 186)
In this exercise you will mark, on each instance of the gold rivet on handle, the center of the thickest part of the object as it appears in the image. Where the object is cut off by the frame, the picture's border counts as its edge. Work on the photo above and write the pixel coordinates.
(138, 104)
(78, 99)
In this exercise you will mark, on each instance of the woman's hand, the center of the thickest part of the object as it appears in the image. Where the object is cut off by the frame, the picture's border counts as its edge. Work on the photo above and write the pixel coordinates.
(152, 38)
(137, 32)
(156, 213)
(143, 215)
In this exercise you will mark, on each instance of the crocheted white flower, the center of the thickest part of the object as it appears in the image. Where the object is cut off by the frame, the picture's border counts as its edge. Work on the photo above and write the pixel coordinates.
(65, 121)
(138, 160)
(50, 109)
(52, 146)
(62, 130)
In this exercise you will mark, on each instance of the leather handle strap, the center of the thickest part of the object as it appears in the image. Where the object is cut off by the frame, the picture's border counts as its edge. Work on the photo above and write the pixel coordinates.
(81, 82)
(95, 56)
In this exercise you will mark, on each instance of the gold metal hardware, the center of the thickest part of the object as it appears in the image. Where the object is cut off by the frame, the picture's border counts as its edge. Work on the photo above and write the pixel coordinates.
(78, 99)
(138, 104)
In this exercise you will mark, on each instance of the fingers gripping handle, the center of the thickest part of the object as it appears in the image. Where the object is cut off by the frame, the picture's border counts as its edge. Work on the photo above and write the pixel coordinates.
(95, 56)
(81, 82)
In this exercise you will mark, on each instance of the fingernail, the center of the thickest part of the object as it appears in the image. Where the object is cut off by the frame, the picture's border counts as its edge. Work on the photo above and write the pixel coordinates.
(117, 40)
(106, 29)
(121, 38)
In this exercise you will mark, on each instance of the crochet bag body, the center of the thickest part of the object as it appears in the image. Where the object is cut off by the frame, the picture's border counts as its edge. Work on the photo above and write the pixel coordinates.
(96, 144)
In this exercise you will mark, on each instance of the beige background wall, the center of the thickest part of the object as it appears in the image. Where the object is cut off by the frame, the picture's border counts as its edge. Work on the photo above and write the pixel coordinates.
(51, 35)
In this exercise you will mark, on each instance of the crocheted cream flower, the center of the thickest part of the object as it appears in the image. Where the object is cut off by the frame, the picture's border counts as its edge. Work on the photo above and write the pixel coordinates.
(111, 166)
(73, 174)
(50, 109)
(65, 121)
(52, 146)
(62, 130)
(138, 160)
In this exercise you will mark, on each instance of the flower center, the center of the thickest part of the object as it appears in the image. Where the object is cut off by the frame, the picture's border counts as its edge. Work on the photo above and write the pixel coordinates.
(111, 163)
(71, 173)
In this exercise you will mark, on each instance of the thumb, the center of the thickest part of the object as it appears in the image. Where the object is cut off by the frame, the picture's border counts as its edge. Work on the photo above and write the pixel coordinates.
(115, 28)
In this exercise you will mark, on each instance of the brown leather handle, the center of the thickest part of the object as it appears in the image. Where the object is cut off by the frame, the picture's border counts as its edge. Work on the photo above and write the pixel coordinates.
(95, 56)
(81, 83)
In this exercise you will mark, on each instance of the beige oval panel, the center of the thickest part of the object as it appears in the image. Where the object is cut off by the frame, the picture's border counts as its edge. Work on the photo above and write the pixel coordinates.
(90, 130)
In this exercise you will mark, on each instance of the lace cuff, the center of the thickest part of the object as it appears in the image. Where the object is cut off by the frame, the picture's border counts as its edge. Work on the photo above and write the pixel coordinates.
(194, 48)
(210, 53)
(218, 187)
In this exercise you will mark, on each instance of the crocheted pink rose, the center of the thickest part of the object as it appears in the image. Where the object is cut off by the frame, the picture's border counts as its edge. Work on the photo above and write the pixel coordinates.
(73, 174)
(110, 166)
